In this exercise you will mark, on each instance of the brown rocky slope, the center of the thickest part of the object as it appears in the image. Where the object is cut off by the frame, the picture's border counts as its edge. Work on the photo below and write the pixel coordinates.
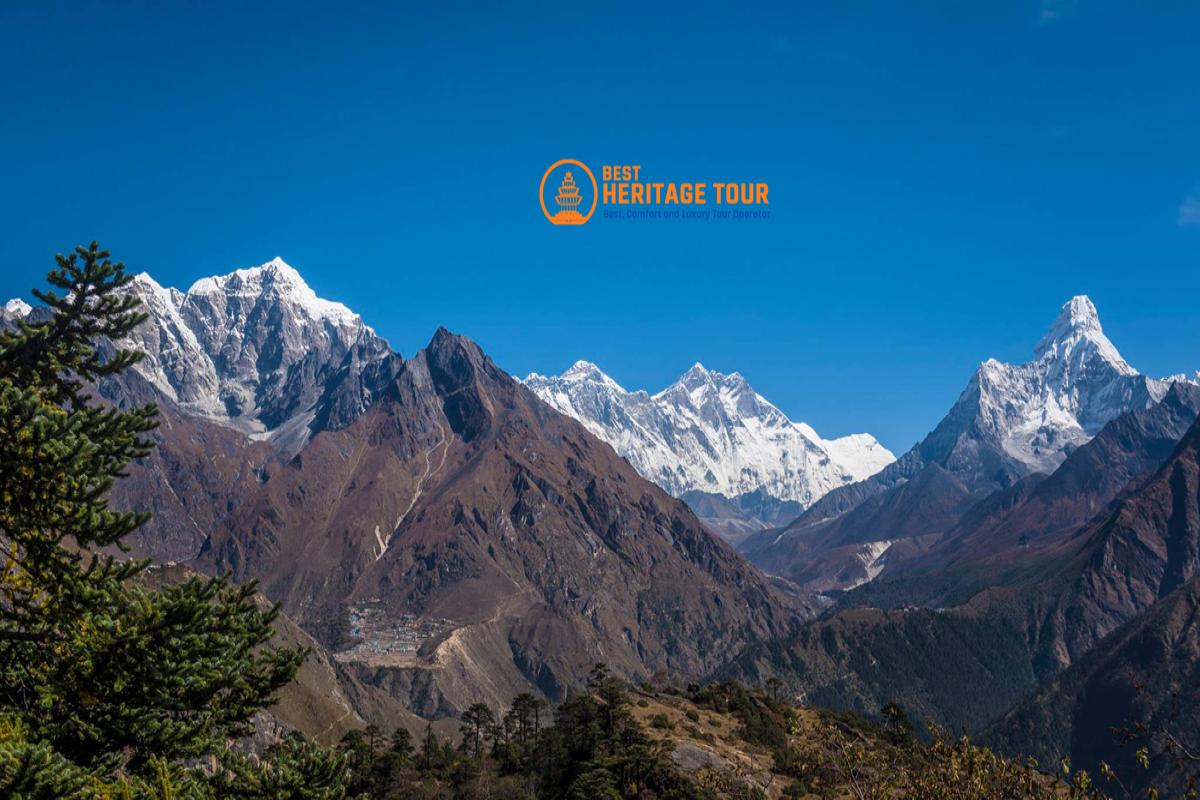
(462, 541)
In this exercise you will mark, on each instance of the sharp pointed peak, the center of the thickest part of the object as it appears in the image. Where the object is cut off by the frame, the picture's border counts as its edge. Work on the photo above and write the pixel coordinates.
(1079, 313)
(582, 369)
(447, 346)
(270, 272)
(444, 337)
(586, 371)
(1079, 322)
(279, 270)
(696, 375)
(153, 292)
(145, 282)
(1076, 316)
(278, 264)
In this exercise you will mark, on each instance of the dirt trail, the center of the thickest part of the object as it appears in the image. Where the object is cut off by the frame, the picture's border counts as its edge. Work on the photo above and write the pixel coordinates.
(429, 472)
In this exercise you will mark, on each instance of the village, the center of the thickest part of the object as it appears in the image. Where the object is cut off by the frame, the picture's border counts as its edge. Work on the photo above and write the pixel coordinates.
(381, 638)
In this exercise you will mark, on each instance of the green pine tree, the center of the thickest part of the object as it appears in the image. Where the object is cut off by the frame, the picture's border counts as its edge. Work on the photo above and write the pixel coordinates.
(477, 721)
(108, 687)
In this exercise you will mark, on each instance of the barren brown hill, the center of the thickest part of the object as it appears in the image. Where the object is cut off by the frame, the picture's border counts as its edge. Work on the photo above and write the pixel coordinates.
(191, 482)
(461, 540)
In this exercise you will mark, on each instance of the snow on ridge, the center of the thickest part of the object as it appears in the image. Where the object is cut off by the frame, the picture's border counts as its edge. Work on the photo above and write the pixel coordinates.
(1077, 382)
(713, 433)
(279, 275)
(872, 557)
(1182, 377)
(585, 370)
(710, 432)
(1077, 331)
(17, 308)
(205, 347)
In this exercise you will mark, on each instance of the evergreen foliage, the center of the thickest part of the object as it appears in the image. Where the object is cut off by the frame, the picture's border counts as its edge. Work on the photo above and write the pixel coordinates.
(110, 688)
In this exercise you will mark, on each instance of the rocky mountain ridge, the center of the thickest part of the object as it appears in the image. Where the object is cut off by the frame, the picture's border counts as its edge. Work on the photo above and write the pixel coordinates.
(258, 351)
(1011, 422)
(521, 548)
(710, 437)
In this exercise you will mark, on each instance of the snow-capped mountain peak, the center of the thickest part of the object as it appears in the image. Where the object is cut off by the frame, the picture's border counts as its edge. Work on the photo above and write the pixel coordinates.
(252, 349)
(278, 279)
(1077, 316)
(712, 433)
(1037, 412)
(1183, 377)
(1076, 337)
(587, 371)
(699, 377)
(17, 307)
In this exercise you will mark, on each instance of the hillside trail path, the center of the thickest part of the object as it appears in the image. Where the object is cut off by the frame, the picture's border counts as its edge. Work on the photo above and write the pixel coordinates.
(428, 473)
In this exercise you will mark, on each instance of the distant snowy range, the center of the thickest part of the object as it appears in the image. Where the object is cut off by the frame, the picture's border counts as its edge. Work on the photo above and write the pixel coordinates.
(258, 351)
(743, 466)
(710, 439)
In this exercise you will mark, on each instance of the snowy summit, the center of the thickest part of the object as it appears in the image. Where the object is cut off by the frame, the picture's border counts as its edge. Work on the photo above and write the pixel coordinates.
(1037, 412)
(710, 432)
(17, 307)
(250, 349)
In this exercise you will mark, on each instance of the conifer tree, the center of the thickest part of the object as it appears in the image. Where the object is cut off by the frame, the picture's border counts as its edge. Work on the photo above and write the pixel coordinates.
(106, 681)
(431, 749)
(477, 721)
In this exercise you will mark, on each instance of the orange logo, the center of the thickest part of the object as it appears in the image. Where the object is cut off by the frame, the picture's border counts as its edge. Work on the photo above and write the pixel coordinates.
(568, 198)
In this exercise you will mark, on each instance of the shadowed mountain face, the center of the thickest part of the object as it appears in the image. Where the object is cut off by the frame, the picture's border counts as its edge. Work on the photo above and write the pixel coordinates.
(1148, 547)
(1147, 671)
(191, 482)
(1052, 606)
(516, 547)
(833, 553)
(1015, 536)
(1011, 422)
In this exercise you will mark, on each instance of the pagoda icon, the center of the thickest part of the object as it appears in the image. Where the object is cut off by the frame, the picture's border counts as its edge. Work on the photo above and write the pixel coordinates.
(568, 199)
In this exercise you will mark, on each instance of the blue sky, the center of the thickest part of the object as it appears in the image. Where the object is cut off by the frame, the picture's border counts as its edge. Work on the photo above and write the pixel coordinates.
(943, 176)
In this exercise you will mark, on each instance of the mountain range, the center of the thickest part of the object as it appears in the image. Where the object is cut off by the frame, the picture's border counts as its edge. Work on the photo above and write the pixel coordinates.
(1010, 422)
(1044, 648)
(442, 533)
(712, 440)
